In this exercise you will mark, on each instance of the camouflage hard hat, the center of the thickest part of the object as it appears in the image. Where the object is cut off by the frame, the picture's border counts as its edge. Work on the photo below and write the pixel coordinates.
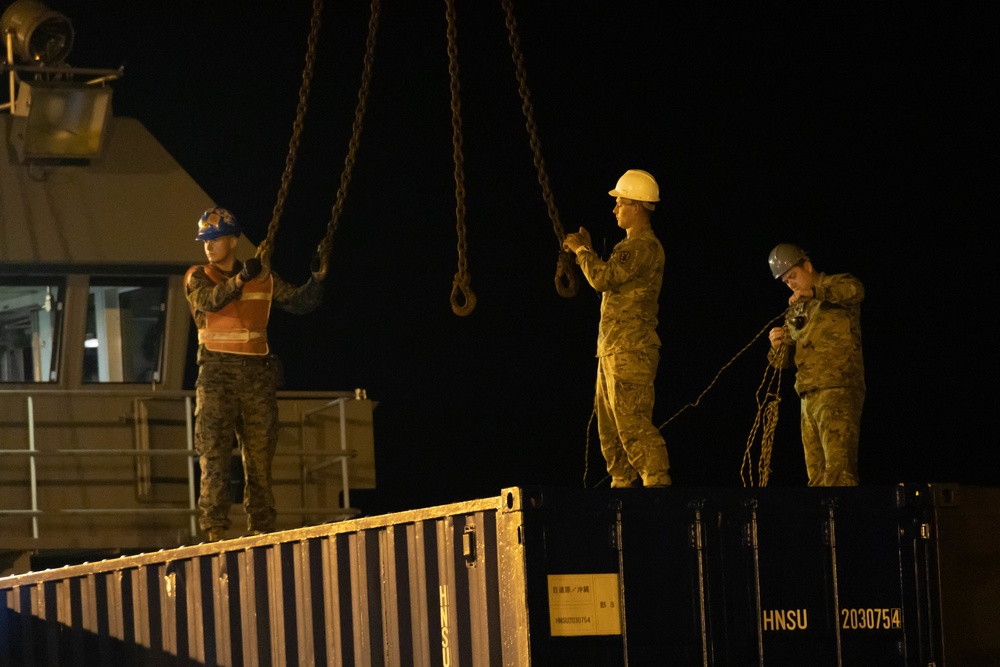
(215, 223)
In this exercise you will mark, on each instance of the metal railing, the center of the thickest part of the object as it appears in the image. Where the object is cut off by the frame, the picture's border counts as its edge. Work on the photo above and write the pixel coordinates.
(323, 458)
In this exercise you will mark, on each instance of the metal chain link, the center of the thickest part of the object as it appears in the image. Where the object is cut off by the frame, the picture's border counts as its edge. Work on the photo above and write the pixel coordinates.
(460, 284)
(323, 250)
(266, 247)
(566, 281)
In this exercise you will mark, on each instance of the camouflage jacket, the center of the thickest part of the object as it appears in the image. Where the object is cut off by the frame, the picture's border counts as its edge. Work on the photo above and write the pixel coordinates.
(629, 283)
(826, 345)
(205, 295)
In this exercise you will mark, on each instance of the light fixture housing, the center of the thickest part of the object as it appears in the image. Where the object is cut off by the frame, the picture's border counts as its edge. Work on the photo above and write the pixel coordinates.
(40, 35)
(58, 122)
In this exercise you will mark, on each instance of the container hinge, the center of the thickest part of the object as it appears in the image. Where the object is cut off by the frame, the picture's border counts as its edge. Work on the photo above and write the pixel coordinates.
(469, 546)
(749, 535)
(695, 536)
(925, 531)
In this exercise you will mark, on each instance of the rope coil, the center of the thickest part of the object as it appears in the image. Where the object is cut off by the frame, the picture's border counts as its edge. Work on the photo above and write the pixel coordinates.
(765, 421)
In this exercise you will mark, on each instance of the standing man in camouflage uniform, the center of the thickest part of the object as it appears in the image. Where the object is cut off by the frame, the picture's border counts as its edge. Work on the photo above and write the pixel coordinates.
(822, 338)
(237, 376)
(628, 348)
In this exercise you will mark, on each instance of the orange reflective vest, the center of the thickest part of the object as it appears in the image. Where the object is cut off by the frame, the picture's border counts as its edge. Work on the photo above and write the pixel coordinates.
(239, 327)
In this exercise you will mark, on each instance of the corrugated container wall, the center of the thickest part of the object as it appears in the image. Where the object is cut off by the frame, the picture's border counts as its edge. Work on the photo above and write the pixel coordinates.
(886, 576)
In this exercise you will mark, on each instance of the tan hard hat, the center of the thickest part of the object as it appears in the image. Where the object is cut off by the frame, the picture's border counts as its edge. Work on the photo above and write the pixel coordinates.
(637, 185)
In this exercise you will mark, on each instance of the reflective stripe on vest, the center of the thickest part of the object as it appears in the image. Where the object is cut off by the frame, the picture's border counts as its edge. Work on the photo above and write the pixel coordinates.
(239, 327)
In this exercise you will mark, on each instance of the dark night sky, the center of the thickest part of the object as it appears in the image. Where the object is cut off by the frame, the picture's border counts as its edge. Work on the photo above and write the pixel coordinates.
(858, 132)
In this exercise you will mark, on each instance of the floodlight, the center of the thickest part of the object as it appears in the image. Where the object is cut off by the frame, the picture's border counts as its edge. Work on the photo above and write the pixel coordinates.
(57, 117)
(39, 35)
(59, 121)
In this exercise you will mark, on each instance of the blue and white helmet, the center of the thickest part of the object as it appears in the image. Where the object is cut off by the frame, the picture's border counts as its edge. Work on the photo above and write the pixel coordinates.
(217, 222)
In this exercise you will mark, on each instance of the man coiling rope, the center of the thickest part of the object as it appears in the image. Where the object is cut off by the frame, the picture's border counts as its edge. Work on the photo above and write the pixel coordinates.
(821, 338)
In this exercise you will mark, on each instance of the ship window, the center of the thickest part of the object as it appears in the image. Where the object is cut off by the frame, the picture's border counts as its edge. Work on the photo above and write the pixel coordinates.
(30, 319)
(125, 324)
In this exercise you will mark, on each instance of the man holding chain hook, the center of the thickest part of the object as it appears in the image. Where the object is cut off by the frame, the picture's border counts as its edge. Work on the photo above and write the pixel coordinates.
(238, 376)
(628, 347)
(821, 337)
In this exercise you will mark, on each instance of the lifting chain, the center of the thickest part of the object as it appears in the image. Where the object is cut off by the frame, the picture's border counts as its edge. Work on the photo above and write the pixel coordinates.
(460, 285)
(323, 250)
(566, 277)
(266, 247)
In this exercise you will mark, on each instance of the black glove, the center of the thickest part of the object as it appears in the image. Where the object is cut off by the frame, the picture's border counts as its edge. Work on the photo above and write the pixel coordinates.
(251, 269)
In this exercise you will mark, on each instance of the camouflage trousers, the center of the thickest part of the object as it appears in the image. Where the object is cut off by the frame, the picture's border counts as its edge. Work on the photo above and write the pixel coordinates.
(236, 404)
(633, 448)
(831, 427)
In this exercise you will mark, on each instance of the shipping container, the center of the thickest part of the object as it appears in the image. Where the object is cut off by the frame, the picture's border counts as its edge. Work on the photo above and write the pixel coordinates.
(903, 575)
